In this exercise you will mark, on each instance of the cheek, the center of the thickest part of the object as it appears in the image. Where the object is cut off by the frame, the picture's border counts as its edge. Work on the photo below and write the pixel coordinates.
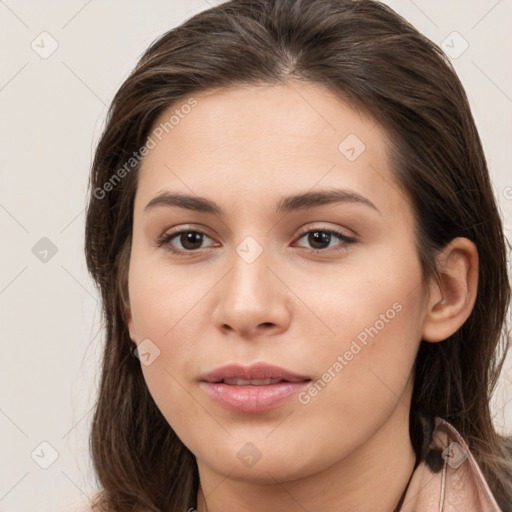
(164, 309)
(372, 314)
(376, 298)
(364, 366)
(163, 299)
(372, 347)
(363, 376)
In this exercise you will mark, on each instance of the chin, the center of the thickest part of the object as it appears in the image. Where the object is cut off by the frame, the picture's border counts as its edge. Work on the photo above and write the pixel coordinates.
(263, 463)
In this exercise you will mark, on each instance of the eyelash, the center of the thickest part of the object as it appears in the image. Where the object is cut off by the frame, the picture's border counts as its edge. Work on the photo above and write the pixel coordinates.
(165, 240)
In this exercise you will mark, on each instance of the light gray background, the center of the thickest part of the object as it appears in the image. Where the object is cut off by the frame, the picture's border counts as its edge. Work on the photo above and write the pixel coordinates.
(52, 112)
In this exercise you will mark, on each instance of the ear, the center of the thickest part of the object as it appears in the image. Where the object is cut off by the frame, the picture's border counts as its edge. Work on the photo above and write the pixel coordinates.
(451, 300)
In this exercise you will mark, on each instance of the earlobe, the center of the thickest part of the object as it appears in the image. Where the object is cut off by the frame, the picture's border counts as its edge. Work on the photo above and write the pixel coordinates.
(452, 298)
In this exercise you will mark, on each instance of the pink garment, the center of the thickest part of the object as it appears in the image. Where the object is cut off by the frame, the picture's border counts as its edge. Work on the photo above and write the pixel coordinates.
(455, 484)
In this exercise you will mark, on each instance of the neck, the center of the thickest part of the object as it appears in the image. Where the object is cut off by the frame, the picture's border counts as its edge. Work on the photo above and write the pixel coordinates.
(373, 477)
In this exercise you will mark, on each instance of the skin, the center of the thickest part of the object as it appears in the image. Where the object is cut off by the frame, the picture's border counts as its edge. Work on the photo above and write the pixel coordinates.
(244, 148)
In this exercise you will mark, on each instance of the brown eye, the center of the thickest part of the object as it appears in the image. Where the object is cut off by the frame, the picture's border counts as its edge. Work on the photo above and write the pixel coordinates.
(188, 240)
(320, 239)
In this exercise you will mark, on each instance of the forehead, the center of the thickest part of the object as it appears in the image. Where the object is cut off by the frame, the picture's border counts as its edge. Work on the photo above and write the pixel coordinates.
(261, 140)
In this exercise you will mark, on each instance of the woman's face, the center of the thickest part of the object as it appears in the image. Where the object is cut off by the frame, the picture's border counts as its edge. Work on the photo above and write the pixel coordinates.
(274, 268)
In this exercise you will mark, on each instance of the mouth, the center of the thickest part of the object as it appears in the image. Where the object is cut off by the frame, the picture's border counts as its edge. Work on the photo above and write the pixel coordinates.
(250, 382)
(255, 388)
(258, 374)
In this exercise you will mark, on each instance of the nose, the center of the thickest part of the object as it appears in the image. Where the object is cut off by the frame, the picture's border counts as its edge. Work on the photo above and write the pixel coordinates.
(252, 299)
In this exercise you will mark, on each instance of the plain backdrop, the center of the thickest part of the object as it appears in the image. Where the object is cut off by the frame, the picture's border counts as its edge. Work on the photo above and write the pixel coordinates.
(53, 107)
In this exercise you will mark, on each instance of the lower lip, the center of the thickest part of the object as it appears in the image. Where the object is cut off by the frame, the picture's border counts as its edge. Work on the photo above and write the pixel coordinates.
(253, 398)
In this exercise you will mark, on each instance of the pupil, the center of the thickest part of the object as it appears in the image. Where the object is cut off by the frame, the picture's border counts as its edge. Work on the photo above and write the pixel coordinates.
(319, 237)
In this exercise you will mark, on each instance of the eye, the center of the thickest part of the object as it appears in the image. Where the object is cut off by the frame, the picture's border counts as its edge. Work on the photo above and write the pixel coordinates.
(190, 241)
(320, 239)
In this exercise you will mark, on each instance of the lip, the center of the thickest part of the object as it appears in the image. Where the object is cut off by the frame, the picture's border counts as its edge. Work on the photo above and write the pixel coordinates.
(250, 397)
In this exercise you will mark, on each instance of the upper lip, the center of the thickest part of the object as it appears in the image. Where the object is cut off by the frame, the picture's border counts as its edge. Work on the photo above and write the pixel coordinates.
(255, 371)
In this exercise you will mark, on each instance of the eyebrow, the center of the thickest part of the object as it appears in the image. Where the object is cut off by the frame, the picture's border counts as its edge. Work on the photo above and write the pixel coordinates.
(286, 204)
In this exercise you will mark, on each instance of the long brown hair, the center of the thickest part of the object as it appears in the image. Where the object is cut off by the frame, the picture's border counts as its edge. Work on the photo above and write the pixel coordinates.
(374, 59)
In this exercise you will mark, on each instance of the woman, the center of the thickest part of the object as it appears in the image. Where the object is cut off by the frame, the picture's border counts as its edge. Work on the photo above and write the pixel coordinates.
(303, 271)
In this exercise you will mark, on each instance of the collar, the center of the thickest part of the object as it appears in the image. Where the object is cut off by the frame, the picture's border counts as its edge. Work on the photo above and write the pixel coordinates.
(448, 479)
